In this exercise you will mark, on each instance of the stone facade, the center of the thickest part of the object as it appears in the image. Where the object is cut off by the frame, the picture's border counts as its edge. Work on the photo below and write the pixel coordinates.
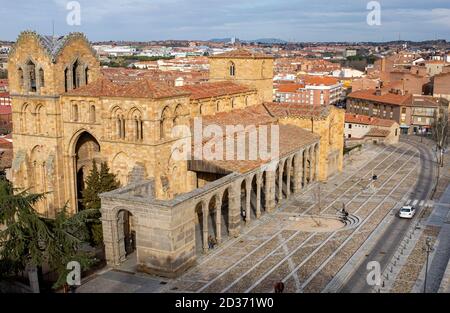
(66, 114)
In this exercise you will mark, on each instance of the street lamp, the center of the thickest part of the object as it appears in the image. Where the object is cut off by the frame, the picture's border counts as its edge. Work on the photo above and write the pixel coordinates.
(428, 249)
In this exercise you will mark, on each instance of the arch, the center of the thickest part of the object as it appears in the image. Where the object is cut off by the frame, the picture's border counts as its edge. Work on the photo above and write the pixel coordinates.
(75, 111)
(92, 117)
(126, 225)
(87, 73)
(20, 76)
(199, 224)
(31, 71)
(27, 116)
(138, 126)
(76, 75)
(40, 117)
(41, 78)
(85, 148)
(232, 68)
(164, 123)
(202, 109)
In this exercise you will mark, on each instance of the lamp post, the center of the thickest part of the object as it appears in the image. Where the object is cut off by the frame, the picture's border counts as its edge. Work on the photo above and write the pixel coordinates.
(428, 249)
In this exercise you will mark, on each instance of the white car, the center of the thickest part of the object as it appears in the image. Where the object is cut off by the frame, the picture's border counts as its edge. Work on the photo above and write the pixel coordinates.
(407, 212)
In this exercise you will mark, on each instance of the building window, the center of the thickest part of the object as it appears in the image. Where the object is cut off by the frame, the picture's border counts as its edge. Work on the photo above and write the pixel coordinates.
(76, 68)
(66, 80)
(92, 113)
(86, 75)
(75, 112)
(41, 78)
(32, 76)
(350, 126)
(232, 69)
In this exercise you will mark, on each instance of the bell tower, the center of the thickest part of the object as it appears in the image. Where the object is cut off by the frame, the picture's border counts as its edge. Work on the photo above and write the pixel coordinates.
(247, 68)
(40, 70)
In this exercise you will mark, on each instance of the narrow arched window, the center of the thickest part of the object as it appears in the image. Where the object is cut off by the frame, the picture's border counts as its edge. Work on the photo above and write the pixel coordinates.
(75, 112)
(76, 75)
(92, 113)
(86, 75)
(232, 69)
(41, 78)
(123, 127)
(66, 80)
(118, 127)
(31, 67)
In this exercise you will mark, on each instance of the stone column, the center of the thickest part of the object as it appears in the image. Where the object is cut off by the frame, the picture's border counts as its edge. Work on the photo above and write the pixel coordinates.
(218, 219)
(270, 191)
(288, 177)
(258, 194)
(317, 159)
(69, 79)
(248, 195)
(280, 181)
(310, 168)
(73, 179)
(304, 166)
(234, 210)
(297, 173)
(205, 213)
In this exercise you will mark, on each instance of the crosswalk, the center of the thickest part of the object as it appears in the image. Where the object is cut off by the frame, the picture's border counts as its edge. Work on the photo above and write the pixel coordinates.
(419, 203)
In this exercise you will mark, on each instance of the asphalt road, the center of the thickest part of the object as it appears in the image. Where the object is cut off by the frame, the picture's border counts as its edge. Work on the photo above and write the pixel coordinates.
(386, 246)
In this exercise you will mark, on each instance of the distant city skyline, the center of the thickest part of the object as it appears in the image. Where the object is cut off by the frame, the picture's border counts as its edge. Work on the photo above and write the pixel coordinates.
(289, 20)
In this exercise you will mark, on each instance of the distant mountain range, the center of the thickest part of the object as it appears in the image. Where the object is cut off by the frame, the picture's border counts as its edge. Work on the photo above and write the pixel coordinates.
(261, 40)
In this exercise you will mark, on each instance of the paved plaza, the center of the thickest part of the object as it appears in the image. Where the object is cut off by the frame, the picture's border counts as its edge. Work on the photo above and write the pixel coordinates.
(275, 248)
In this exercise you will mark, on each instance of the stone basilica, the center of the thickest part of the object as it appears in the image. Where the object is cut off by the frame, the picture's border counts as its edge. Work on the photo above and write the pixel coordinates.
(66, 113)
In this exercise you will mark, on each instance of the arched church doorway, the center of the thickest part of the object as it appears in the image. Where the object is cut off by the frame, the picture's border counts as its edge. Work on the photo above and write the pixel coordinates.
(87, 149)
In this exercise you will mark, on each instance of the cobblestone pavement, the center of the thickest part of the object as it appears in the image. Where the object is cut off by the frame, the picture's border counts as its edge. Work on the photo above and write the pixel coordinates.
(272, 249)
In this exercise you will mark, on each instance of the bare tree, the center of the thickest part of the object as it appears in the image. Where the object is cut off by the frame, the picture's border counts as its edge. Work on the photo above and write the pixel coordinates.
(440, 128)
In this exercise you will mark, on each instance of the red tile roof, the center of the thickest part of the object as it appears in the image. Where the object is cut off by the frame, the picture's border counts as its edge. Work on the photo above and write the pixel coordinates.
(139, 89)
(290, 88)
(366, 120)
(214, 89)
(291, 138)
(388, 98)
(282, 109)
(5, 109)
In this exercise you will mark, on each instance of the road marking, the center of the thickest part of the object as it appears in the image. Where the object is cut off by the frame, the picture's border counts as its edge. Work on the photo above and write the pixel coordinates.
(332, 235)
(415, 202)
(407, 202)
(351, 236)
(421, 203)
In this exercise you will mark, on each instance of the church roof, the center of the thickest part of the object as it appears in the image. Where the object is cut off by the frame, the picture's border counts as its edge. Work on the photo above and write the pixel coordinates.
(53, 45)
(290, 138)
(214, 89)
(104, 87)
(242, 54)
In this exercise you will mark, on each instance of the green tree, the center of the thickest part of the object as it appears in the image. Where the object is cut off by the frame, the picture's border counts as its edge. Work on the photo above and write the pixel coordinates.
(97, 183)
(30, 240)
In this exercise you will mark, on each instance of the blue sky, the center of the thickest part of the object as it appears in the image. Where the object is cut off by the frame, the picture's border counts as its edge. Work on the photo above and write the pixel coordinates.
(295, 20)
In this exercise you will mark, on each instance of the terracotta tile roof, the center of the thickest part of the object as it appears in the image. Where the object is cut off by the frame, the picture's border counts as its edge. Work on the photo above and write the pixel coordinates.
(377, 132)
(291, 138)
(290, 88)
(320, 80)
(366, 120)
(388, 98)
(281, 109)
(214, 89)
(242, 54)
(424, 101)
(139, 89)
(5, 144)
